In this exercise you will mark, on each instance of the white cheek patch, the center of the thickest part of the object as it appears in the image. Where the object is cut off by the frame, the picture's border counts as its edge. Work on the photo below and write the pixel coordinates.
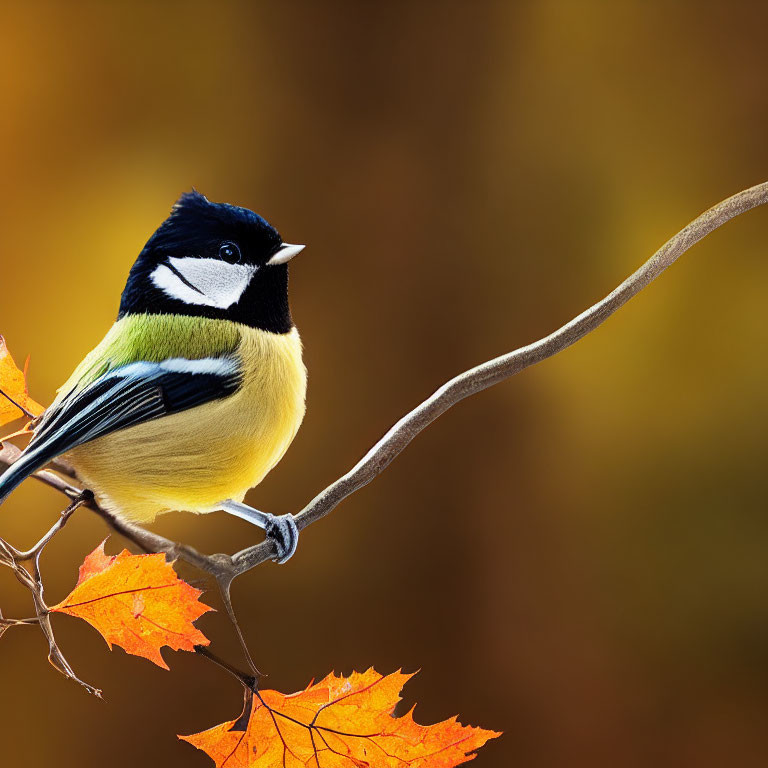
(210, 282)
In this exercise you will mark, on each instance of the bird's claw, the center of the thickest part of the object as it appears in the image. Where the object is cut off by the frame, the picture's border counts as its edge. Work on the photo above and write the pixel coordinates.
(283, 531)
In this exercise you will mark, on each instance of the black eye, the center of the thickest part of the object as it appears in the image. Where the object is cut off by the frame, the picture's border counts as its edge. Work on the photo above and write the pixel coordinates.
(229, 252)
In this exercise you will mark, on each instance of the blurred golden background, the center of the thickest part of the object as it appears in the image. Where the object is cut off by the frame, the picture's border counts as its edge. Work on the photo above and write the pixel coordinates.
(576, 557)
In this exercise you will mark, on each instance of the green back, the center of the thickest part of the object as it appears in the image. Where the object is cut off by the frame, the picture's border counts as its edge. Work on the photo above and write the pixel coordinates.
(155, 338)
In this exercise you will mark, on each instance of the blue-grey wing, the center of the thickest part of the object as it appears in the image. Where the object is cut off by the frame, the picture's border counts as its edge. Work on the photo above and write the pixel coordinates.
(123, 397)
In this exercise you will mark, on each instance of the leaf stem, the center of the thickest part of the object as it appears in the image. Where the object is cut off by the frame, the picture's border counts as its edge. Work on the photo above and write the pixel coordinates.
(18, 405)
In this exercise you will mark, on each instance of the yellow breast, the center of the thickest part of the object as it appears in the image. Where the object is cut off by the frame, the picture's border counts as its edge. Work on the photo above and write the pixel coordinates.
(195, 459)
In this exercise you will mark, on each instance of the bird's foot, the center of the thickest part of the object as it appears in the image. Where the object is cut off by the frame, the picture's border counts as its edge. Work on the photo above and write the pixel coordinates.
(283, 531)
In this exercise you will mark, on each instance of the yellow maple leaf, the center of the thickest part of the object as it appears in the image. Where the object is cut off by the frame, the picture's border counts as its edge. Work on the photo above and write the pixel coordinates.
(137, 602)
(340, 722)
(15, 401)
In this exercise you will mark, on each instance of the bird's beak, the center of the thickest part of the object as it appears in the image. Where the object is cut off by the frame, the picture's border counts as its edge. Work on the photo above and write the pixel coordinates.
(285, 253)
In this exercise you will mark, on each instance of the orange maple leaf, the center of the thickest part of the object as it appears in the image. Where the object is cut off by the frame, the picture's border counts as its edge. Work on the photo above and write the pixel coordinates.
(137, 602)
(15, 401)
(340, 722)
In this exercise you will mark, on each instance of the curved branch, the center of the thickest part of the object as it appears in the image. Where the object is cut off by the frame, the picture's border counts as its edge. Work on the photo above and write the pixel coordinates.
(378, 458)
(494, 371)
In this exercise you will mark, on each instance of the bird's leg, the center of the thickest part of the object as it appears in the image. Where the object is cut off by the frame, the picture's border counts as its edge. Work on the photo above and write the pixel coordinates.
(280, 528)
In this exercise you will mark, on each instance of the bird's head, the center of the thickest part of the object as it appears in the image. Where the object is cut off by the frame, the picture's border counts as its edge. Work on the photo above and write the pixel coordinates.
(213, 260)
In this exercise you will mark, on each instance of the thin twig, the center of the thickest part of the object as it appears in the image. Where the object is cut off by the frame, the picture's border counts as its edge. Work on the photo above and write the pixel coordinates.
(36, 551)
(248, 681)
(225, 590)
(32, 580)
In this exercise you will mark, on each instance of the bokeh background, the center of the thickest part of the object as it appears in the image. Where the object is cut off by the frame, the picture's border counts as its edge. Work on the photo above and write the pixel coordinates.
(577, 557)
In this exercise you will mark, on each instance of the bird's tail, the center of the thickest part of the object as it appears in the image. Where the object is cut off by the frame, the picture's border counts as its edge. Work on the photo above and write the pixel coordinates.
(20, 470)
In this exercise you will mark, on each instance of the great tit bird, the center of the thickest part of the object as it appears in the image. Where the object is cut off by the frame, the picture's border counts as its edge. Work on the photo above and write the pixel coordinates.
(198, 389)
